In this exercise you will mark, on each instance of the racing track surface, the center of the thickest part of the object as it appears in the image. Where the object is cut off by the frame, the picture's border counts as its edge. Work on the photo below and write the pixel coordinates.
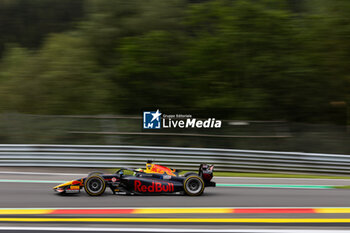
(41, 195)
(25, 195)
(19, 194)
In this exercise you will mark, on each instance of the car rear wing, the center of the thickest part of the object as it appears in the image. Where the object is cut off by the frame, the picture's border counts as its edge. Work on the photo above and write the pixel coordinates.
(206, 172)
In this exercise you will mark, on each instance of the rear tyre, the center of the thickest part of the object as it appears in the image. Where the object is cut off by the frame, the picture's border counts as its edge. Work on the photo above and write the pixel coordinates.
(95, 185)
(194, 186)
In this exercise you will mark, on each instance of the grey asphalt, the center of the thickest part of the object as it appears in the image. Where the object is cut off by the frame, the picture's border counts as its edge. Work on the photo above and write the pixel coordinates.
(40, 195)
(25, 195)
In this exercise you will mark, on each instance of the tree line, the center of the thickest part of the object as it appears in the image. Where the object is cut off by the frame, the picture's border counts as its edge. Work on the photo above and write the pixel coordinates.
(246, 59)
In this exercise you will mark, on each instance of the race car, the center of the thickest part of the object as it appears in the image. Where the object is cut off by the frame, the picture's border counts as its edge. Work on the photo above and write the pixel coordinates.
(156, 179)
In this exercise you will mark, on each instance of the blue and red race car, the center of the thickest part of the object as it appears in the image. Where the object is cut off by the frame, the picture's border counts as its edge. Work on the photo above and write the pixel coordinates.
(155, 179)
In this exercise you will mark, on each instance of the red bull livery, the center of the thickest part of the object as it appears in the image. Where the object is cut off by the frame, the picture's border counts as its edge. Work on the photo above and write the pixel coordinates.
(156, 179)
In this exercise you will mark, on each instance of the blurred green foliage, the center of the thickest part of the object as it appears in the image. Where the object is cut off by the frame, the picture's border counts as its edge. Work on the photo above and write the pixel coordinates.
(267, 59)
(27, 22)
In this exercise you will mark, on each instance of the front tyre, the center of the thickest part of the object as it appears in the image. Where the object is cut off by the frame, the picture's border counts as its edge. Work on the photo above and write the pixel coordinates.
(194, 186)
(95, 185)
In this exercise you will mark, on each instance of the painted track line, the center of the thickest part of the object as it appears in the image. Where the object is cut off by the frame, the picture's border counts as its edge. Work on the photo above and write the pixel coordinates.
(91, 229)
(181, 220)
(167, 210)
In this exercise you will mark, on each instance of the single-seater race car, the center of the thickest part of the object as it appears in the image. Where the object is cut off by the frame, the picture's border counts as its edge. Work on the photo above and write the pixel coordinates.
(155, 179)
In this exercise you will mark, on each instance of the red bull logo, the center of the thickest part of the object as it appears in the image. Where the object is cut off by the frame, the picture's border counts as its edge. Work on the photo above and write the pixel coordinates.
(160, 169)
(155, 187)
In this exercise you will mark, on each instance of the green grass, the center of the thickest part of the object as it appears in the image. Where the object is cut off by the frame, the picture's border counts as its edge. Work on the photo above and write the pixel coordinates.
(342, 187)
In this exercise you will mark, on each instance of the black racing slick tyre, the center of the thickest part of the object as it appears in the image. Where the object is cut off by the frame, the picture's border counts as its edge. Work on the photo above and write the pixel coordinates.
(95, 185)
(194, 186)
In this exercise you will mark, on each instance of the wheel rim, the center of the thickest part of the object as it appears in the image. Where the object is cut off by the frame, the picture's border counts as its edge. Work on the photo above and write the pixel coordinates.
(95, 185)
(193, 186)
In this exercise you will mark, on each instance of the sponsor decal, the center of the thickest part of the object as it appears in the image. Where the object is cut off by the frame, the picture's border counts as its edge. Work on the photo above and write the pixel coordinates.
(207, 176)
(166, 177)
(122, 193)
(160, 169)
(74, 187)
(155, 187)
(157, 120)
(72, 191)
(114, 179)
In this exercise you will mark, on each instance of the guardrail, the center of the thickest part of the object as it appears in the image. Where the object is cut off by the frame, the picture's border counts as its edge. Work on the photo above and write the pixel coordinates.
(95, 156)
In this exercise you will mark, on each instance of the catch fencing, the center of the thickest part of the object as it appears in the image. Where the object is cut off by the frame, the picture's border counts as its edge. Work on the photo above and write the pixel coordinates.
(102, 156)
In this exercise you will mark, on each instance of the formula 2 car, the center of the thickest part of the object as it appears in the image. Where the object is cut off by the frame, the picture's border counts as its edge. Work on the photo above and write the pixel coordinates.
(156, 179)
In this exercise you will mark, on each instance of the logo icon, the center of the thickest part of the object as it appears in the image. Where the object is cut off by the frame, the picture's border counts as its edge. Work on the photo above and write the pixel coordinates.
(151, 120)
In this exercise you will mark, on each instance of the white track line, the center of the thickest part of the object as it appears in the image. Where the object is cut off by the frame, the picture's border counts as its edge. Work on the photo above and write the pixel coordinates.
(86, 229)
